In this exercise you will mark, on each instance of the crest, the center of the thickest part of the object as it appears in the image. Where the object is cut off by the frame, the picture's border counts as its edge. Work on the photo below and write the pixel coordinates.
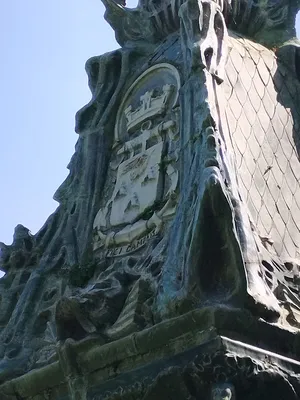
(143, 169)
(137, 186)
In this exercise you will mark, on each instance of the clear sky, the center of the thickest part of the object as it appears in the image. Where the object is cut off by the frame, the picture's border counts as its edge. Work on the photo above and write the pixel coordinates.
(44, 46)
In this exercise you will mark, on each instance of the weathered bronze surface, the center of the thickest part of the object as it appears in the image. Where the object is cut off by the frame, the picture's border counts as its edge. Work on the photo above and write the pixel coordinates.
(171, 267)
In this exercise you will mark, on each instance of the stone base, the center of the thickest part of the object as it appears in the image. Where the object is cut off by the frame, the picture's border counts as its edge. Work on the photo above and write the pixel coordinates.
(198, 355)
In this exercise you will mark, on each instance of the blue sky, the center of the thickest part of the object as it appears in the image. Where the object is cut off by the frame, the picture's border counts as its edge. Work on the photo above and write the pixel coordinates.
(44, 46)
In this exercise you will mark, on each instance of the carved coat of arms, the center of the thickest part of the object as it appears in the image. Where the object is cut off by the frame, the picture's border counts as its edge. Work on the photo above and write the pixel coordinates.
(144, 176)
(137, 185)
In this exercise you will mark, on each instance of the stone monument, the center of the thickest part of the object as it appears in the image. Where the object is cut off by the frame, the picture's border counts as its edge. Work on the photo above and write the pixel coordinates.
(171, 267)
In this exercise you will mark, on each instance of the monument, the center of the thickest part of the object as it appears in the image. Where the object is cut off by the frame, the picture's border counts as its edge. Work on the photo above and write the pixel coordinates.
(170, 269)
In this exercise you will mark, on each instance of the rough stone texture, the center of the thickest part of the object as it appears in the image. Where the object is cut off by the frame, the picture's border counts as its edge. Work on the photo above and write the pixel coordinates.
(170, 268)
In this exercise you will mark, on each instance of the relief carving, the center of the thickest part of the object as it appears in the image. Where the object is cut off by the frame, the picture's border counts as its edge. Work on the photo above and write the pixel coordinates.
(143, 164)
(134, 215)
(151, 221)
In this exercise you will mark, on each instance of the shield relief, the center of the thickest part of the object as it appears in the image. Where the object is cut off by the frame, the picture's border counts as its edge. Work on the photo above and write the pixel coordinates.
(143, 163)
